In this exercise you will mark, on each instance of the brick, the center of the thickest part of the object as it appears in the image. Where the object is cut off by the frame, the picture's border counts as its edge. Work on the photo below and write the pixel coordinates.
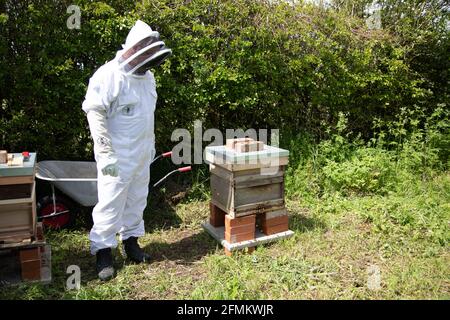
(30, 254)
(249, 146)
(31, 270)
(30, 265)
(234, 222)
(3, 156)
(240, 229)
(33, 275)
(246, 228)
(233, 238)
(274, 214)
(274, 221)
(275, 229)
(216, 216)
(244, 145)
(232, 142)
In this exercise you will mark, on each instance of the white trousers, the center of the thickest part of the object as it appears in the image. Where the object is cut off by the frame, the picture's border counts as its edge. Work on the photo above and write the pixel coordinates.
(120, 207)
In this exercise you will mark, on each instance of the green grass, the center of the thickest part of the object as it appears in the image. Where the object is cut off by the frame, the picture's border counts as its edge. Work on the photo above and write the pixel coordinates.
(337, 238)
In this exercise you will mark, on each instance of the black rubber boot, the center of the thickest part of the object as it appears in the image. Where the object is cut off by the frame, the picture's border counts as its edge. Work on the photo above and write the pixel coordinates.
(105, 267)
(133, 252)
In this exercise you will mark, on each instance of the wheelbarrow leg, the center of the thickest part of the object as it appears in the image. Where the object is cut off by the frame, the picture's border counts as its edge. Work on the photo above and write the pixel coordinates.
(54, 213)
(54, 199)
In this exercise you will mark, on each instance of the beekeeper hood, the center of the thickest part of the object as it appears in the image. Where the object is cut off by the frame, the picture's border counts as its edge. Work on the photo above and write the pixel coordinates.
(142, 49)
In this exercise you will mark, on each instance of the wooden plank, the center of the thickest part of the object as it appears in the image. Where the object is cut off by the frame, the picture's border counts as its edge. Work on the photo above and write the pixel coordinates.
(221, 172)
(15, 230)
(27, 243)
(16, 241)
(14, 217)
(15, 191)
(259, 195)
(21, 193)
(246, 209)
(16, 180)
(258, 208)
(221, 193)
(271, 205)
(239, 167)
(242, 177)
(257, 172)
(13, 242)
(16, 235)
(16, 201)
(257, 183)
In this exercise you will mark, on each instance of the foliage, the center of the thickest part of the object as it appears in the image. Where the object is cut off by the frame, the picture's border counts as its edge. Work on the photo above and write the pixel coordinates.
(350, 166)
(236, 63)
(364, 114)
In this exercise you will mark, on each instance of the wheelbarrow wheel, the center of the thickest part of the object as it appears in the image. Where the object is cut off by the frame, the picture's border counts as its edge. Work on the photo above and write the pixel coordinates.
(46, 207)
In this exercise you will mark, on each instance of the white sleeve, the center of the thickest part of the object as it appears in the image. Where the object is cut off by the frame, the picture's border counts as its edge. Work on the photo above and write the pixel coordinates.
(103, 90)
(102, 140)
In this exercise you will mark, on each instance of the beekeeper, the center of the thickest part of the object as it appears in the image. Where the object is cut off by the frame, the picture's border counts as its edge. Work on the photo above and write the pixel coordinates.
(120, 104)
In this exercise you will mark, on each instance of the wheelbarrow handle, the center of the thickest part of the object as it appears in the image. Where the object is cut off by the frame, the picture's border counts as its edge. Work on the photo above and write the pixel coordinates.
(163, 155)
(185, 169)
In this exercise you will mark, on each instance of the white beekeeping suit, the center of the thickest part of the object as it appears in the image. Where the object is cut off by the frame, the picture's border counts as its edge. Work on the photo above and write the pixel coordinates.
(120, 104)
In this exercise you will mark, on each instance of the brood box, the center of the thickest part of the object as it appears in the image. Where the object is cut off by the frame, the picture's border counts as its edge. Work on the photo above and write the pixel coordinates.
(245, 183)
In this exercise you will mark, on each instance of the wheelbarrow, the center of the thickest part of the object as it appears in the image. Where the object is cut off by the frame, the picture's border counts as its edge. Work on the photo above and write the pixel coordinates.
(78, 181)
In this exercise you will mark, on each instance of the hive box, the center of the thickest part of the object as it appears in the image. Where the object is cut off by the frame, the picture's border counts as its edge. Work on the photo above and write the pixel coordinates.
(17, 201)
(244, 183)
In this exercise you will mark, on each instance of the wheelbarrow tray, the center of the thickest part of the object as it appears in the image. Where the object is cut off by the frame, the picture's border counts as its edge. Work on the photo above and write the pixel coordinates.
(77, 179)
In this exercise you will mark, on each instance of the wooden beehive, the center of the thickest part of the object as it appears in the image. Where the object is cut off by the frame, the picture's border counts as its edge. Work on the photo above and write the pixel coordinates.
(244, 183)
(17, 202)
(247, 194)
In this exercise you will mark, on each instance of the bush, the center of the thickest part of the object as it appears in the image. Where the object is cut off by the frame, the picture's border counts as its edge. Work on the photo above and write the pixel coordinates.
(344, 164)
(368, 171)
(239, 63)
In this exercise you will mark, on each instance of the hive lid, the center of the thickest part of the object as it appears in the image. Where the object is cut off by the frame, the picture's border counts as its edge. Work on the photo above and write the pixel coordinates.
(27, 169)
(229, 156)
